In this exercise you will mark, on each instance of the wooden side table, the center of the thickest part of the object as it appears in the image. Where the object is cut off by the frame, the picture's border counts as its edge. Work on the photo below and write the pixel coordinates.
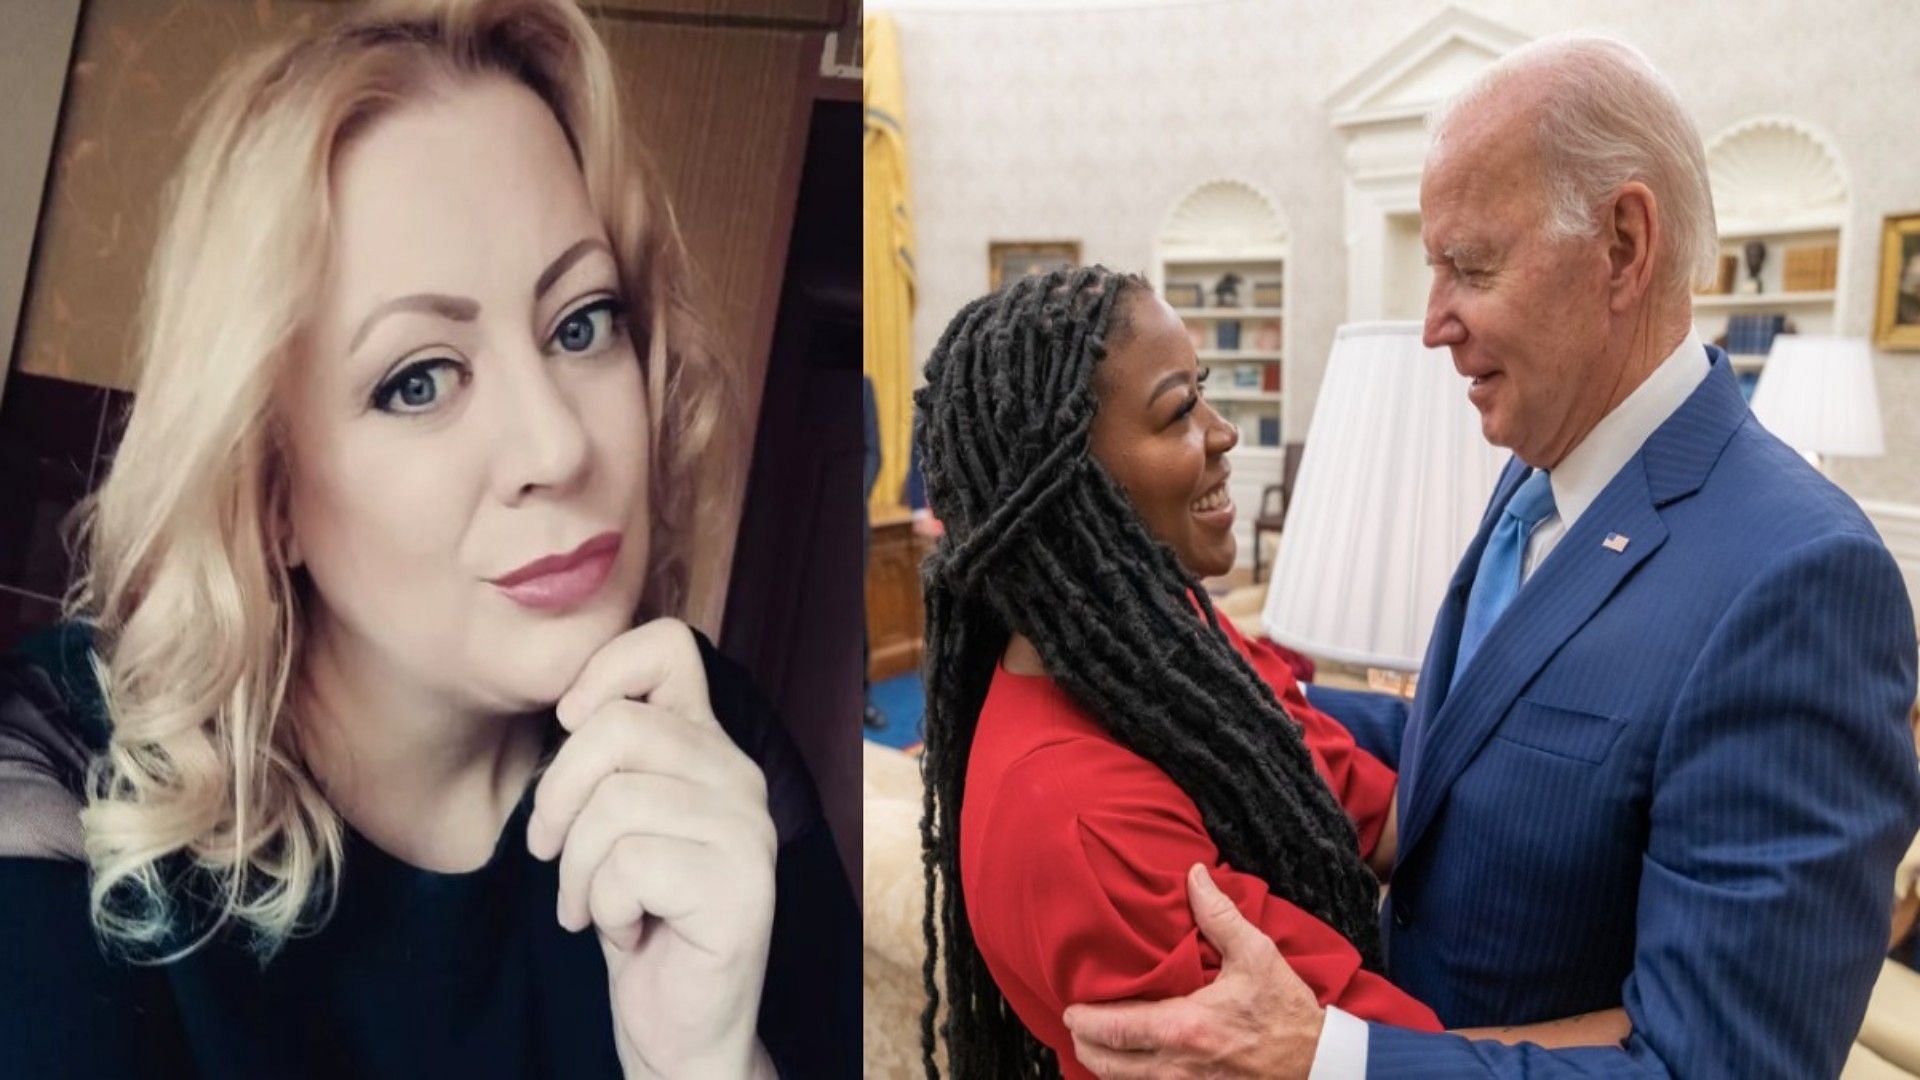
(896, 614)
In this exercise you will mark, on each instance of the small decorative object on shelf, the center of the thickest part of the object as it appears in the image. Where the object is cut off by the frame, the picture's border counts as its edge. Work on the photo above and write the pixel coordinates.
(1269, 294)
(1226, 292)
(1756, 258)
(1184, 294)
(1269, 431)
(1266, 336)
(1226, 335)
(1270, 378)
(1246, 376)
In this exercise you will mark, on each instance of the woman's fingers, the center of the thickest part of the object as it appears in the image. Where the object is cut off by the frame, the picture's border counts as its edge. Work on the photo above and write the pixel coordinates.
(659, 662)
(630, 736)
(694, 887)
(644, 875)
(642, 804)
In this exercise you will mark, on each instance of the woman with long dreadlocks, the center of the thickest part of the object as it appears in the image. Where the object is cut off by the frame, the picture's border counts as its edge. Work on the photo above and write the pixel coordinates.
(1094, 729)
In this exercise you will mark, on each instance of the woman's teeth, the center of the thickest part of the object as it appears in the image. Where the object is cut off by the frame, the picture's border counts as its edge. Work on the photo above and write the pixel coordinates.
(1213, 500)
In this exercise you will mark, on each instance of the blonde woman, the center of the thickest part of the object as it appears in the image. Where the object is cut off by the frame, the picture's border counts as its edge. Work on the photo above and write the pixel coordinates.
(353, 734)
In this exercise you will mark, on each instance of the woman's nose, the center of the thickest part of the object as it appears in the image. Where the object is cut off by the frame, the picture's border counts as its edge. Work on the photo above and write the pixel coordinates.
(1223, 436)
(543, 444)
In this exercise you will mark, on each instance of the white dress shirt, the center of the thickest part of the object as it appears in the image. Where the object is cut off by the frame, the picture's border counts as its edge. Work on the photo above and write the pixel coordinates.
(1589, 467)
(1578, 480)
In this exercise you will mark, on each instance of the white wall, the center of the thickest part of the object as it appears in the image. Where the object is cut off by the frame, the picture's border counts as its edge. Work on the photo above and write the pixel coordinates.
(1093, 123)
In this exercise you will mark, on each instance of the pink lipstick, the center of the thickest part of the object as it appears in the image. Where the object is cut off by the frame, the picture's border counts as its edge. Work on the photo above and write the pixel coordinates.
(558, 582)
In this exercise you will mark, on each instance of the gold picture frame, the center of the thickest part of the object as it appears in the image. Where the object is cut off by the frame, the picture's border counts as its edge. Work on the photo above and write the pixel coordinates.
(1010, 259)
(1896, 314)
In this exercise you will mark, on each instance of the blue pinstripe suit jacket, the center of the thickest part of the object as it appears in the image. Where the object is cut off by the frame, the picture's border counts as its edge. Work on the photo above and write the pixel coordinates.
(1676, 776)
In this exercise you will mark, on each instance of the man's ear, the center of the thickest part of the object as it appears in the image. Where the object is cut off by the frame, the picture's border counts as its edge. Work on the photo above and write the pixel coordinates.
(1631, 226)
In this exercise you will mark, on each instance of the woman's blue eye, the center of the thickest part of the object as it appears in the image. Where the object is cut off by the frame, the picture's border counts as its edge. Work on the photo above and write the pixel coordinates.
(417, 388)
(589, 328)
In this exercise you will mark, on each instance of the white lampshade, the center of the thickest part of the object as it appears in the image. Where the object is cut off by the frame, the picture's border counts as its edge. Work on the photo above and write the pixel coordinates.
(1392, 484)
(1817, 395)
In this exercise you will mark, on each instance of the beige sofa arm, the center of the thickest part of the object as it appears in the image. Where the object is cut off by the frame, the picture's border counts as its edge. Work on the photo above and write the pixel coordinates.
(893, 887)
(1890, 1029)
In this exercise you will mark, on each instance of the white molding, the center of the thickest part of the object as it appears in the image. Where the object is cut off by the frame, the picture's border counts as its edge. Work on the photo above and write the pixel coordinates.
(1401, 85)
(1777, 174)
(1381, 113)
(1228, 218)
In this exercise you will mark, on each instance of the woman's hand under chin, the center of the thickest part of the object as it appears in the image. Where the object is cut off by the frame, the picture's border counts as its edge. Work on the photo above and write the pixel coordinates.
(667, 850)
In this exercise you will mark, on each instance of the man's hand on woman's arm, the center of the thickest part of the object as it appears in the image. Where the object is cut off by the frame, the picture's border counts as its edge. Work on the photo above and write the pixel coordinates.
(1258, 1019)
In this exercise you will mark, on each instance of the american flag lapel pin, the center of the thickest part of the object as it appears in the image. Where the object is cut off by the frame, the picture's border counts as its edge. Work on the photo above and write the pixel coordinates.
(1614, 543)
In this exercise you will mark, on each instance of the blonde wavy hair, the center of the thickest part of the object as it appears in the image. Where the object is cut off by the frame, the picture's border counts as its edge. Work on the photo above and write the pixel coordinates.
(198, 623)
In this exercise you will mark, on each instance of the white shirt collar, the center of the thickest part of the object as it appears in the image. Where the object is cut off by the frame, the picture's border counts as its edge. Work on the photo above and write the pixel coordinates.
(1589, 467)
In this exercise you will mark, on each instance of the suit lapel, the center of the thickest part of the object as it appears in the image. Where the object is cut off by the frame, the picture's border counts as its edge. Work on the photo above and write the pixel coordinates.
(1569, 586)
(1448, 728)
(1444, 643)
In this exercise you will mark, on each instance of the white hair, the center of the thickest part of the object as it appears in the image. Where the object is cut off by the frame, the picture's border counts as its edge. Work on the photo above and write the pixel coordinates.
(1606, 117)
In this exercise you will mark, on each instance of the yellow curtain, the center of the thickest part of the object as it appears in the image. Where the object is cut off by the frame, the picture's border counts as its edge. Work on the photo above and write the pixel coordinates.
(887, 275)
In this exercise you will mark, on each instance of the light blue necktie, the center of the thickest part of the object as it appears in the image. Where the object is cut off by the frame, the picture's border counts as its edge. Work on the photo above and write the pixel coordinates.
(1498, 578)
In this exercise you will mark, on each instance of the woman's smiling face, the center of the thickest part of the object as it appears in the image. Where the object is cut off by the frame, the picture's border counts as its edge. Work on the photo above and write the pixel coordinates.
(1160, 439)
(468, 402)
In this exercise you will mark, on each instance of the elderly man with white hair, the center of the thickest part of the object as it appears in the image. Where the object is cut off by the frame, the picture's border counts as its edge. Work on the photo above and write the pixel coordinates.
(1657, 775)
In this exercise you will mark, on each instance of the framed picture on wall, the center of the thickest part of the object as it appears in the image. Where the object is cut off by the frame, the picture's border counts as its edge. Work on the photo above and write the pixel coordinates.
(1896, 316)
(1010, 260)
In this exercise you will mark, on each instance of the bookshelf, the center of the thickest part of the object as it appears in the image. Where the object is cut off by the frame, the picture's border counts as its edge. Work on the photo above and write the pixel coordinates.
(1221, 229)
(1779, 183)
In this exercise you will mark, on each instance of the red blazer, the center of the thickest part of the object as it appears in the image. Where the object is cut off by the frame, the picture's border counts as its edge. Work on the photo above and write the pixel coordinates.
(1074, 853)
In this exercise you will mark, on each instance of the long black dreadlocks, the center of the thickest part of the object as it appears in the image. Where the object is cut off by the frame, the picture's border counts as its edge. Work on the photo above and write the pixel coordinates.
(1040, 540)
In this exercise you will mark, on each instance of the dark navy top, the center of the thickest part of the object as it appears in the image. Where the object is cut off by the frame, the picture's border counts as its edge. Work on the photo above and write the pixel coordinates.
(416, 974)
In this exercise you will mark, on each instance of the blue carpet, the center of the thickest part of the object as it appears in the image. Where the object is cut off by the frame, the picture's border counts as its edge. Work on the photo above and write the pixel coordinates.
(902, 702)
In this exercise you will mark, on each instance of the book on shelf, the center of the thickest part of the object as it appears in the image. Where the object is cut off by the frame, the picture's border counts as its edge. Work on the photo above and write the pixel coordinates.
(1752, 334)
(1810, 268)
(1183, 294)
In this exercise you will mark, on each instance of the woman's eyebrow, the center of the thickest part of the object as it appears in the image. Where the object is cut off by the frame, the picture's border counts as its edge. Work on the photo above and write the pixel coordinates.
(462, 309)
(574, 253)
(457, 308)
(1171, 380)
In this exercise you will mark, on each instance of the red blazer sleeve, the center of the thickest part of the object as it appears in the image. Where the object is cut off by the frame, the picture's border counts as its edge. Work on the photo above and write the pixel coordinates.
(1085, 900)
(1363, 783)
